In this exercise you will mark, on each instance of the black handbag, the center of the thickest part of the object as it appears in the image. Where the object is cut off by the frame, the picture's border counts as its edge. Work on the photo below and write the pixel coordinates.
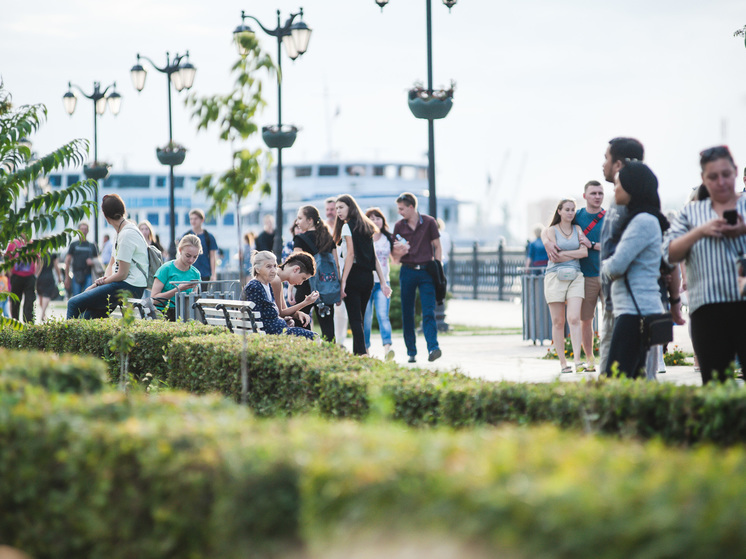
(655, 329)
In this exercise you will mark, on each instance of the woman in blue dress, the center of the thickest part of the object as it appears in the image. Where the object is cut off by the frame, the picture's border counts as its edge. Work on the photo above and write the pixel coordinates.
(259, 291)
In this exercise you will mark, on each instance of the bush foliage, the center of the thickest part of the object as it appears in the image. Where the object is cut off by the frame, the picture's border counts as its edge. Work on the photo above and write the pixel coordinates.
(178, 476)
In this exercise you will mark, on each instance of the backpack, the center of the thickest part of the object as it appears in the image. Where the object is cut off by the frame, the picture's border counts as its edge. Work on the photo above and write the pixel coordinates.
(155, 261)
(326, 281)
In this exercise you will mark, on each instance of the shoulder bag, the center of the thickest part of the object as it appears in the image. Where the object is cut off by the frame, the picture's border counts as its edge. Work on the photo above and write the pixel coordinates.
(655, 329)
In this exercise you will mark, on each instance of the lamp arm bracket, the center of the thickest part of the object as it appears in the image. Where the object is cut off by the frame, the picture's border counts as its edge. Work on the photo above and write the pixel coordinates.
(277, 32)
(163, 70)
(83, 93)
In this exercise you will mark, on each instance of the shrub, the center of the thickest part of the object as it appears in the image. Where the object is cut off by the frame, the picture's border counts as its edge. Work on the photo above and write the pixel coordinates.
(111, 476)
(54, 373)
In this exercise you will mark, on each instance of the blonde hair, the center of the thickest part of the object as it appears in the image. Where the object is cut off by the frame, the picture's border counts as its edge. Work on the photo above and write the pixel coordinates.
(190, 240)
(260, 256)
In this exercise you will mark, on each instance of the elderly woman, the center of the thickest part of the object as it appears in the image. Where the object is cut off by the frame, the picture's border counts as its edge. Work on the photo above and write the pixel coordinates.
(634, 268)
(708, 236)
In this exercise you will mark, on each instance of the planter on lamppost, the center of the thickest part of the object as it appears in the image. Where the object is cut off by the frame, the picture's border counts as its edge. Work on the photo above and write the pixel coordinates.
(97, 170)
(172, 154)
(428, 105)
(279, 136)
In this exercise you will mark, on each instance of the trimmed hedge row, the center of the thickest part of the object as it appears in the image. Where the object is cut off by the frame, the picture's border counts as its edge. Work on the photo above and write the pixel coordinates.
(92, 337)
(107, 476)
(290, 375)
(68, 373)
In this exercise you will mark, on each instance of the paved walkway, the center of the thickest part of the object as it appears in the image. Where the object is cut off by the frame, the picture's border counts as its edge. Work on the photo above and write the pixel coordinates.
(497, 356)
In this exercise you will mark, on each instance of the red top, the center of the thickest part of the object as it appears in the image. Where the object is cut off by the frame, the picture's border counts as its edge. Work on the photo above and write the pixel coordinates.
(420, 239)
(19, 269)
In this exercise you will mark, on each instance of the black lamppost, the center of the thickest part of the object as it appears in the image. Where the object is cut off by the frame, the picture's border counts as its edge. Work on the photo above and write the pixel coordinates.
(428, 95)
(295, 36)
(180, 73)
(97, 170)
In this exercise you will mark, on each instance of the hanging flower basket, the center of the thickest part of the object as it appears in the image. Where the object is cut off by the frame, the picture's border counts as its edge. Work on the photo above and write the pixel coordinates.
(433, 104)
(97, 170)
(279, 137)
(171, 154)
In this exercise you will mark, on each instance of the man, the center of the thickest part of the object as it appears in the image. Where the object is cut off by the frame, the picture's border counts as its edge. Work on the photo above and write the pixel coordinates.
(619, 150)
(591, 220)
(265, 240)
(340, 313)
(106, 250)
(420, 232)
(79, 260)
(206, 261)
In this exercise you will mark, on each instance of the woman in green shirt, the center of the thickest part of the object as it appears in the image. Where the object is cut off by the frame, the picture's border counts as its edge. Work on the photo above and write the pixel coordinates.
(169, 278)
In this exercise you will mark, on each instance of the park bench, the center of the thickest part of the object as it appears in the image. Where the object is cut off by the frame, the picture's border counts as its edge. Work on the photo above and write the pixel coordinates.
(237, 316)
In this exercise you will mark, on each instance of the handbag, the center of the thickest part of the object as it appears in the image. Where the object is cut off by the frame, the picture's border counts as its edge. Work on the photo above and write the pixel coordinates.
(655, 329)
(566, 274)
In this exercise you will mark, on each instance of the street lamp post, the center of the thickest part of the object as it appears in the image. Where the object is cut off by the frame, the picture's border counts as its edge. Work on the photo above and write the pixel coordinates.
(433, 203)
(179, 72)
(295, 36)
(97, 171)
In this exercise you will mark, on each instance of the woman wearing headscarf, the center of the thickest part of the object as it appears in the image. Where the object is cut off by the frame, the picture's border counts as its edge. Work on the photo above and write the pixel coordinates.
(634, 268)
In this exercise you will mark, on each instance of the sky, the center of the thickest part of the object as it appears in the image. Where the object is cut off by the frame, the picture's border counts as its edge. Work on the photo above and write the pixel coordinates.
(541, 85)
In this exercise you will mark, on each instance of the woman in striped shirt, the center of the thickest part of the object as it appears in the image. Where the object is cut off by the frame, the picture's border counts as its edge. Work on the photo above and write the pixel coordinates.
(708, 236)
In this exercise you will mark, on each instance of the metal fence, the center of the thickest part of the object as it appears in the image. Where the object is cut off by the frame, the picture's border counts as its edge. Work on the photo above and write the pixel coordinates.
(226, 288)
(486, 272)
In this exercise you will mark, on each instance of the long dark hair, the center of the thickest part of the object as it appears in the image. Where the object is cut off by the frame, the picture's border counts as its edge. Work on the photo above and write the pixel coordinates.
(385, 228)
(641, 184)
(359, 222)
(556, 217)
(322, 236)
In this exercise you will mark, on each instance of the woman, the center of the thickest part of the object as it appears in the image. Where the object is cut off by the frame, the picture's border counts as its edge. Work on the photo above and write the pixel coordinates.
(46, 283)
(148, 232)
(259, 291)
(288, 248)
(356, 230)
(634, 268)
(383, 243)
(177, 275)
(246, 250)
(563, 282)
(709, 244)
(314, 238)
(126, 270)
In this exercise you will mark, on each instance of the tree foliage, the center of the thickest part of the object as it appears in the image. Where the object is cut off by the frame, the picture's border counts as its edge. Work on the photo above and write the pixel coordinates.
(234, 115)
(38, 216)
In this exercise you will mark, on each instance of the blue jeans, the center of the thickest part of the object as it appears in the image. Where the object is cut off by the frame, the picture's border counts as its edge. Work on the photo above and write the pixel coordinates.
(382, 312)
(99, 301)
(409, 281)
(78, 287)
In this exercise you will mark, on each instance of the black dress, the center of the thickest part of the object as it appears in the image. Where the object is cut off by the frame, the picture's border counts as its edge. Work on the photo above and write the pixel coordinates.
(46, 286)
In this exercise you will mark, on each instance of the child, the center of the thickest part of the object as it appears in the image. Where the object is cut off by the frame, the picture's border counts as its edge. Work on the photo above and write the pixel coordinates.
(171, 277)
(296, 269)
(259, 291)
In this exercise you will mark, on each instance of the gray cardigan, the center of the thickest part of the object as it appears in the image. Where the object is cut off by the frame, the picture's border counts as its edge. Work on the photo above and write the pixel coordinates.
(638, 254)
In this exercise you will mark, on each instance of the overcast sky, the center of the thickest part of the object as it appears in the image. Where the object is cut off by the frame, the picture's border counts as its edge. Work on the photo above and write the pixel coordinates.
(542, 85)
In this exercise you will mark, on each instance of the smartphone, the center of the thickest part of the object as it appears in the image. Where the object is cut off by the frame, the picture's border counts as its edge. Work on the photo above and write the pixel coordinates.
(731, 216)
(742, 265)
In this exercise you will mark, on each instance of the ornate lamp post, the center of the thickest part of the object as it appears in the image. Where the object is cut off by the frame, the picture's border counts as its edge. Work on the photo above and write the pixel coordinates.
(443, 99)
(295, 36)
(179, 72)
(97, 170)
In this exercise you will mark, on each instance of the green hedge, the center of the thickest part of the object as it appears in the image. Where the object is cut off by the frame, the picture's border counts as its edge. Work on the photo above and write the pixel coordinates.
(108, 476)
(92, 337)
(55, 373)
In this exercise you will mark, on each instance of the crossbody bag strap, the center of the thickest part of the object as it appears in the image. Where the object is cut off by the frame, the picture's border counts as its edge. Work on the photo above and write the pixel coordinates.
(593, 223)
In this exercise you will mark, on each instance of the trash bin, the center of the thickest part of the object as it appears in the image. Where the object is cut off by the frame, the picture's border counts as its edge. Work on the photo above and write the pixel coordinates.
(537, 322)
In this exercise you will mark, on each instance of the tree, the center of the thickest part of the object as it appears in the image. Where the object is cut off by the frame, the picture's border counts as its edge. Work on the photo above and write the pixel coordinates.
(38, 217)
(234, 114)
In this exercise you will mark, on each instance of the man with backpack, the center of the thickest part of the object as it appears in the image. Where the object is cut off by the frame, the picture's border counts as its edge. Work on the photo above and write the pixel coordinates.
(206, 261)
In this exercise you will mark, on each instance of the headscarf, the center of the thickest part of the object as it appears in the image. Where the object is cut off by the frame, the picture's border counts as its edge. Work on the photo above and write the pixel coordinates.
(641, 184)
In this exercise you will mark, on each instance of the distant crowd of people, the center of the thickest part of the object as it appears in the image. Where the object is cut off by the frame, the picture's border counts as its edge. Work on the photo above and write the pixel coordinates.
(643, 266)
(334, 271)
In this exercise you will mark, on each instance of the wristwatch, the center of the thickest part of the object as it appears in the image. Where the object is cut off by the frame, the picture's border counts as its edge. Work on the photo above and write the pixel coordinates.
(593, 245)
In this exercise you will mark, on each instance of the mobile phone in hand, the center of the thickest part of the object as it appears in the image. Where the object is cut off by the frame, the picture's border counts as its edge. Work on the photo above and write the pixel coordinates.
(731, 216)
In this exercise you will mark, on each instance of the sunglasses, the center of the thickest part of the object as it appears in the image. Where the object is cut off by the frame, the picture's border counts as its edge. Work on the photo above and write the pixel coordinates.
(714, 153)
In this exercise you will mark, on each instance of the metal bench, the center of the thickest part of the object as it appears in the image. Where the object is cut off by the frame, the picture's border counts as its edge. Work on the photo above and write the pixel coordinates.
(237, 316)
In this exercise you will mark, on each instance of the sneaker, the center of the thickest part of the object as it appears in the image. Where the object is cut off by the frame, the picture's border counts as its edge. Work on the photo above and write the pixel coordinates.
(412, 359)
(390, 355)
(434, 354)
(580, 367)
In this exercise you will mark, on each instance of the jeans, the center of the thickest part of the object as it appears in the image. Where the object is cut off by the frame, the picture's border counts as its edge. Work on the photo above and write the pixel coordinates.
(23, 287)
(381, 303)
(99, 301)
(357, 289)
(409, 281)
(79, 287)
